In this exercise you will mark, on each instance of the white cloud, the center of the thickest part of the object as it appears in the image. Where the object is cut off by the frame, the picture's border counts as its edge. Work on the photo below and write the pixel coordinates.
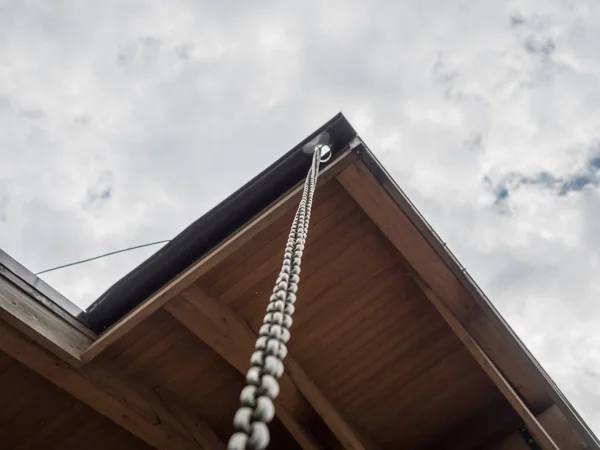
(123, 122)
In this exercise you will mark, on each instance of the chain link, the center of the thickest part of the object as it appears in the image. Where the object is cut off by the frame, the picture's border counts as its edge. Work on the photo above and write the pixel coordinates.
(250, 423)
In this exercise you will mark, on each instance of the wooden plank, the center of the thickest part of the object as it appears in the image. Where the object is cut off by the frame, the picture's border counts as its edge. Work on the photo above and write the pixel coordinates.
(139, 413)
(328, 199)
(535, 428)
(229, 282)
(326, 253)
(221, 329)
(232, 338)
(40, 324)
(189, 276)
(404, 235)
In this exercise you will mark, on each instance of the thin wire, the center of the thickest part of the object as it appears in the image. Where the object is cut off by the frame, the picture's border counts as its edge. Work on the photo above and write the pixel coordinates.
(102, 256)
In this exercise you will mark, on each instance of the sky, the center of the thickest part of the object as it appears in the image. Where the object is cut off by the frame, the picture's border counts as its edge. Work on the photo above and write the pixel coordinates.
(122, 122)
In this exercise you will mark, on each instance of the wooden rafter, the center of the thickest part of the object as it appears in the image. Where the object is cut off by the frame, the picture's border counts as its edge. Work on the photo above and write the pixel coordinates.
(467, 319)
(535, 428)
(228, 247)
(222, 329)
(402, 233)
(38, 339)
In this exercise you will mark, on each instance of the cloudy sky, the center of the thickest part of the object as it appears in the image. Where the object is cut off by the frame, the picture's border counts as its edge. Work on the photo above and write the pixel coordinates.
(122, 122)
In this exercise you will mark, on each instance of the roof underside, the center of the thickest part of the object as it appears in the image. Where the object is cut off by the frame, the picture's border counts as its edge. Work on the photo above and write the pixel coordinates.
(363, 332)
(392, 346)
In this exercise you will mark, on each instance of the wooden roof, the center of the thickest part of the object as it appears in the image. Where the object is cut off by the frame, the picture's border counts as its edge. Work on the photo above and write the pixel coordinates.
(393, 346)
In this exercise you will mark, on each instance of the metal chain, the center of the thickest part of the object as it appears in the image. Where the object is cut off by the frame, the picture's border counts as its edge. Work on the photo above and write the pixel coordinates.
(262, 388)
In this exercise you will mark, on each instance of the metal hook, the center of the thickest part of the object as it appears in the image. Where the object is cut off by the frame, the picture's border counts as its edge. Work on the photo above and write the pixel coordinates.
(319, 142)
(325, 152)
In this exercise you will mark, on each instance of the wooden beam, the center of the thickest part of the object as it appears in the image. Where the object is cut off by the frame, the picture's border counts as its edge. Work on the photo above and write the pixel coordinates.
(200, 430)
(223, 330)
(229, 336)
(409, 234)
(557, 426)
(140, 413)
(178, 284)
(533, 425)
(40, 324)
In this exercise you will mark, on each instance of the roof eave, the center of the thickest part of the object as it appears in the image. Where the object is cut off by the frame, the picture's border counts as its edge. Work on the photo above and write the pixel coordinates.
(211, 229)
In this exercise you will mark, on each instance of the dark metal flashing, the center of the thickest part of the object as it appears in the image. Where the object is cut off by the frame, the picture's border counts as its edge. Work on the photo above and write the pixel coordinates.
(211, 229)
